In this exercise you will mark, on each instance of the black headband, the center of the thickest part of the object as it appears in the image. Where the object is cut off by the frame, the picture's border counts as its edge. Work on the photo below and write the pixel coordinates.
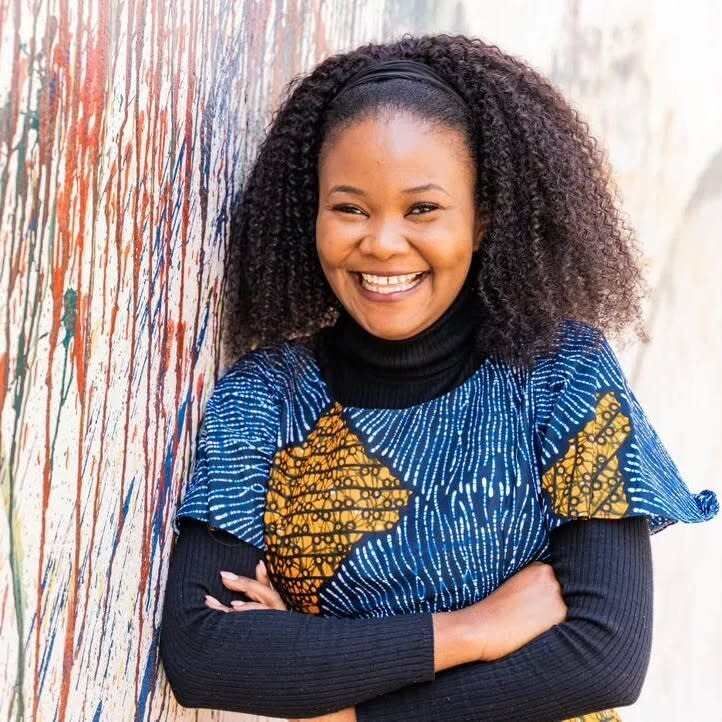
(400, 68)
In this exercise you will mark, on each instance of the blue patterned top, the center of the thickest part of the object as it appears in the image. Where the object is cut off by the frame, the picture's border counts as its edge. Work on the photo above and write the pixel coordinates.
(371, 512)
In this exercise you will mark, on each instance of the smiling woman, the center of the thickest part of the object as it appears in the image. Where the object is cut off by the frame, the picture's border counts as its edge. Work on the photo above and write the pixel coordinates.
(427, 438)
(397, 221)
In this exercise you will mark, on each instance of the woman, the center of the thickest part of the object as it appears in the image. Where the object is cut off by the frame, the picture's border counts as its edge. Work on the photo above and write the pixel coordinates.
(431, 445)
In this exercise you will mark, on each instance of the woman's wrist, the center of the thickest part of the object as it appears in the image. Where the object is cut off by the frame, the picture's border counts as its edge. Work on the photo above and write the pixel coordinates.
(457, 639)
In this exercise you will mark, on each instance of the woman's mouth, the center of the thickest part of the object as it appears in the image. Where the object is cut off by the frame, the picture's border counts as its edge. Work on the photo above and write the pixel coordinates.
(388, 288)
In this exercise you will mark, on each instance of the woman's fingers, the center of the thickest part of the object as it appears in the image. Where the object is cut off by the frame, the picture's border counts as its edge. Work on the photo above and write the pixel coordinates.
(244, 606)
(237, 606)
(258, 591)
(261, 590)
(262, 574)
(213, 603)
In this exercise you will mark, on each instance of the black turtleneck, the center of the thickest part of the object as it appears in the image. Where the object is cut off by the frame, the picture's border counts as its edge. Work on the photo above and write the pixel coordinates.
(286, 664)
(367, 371)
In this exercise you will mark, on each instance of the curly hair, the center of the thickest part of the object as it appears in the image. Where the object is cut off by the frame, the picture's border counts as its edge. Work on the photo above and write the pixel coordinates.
(556, 247)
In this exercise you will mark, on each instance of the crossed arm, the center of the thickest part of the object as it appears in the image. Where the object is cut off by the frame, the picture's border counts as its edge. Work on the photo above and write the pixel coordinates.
(295, 665)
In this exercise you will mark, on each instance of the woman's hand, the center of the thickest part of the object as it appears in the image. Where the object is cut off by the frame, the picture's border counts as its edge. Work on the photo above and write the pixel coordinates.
(523, 607)
(260, 589)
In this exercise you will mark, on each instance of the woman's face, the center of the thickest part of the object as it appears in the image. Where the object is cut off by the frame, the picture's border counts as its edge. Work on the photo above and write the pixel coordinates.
(396, 197)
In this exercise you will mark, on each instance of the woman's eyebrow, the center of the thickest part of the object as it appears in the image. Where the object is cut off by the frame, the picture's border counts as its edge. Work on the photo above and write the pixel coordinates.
(359, 192)
(425, 187)
(347, 189)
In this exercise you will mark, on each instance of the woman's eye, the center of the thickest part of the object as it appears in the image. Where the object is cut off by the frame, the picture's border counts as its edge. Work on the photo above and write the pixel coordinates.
(425, 208)
(347, 209)
(428, 206)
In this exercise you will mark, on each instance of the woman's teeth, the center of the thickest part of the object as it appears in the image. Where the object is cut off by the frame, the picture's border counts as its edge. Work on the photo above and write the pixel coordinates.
(390, 284)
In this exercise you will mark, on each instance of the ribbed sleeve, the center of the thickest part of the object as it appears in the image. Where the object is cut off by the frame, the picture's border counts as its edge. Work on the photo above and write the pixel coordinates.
(595, 660)
(269, 662)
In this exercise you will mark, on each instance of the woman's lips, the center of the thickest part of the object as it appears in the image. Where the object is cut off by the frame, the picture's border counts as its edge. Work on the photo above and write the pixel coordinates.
(388, 297)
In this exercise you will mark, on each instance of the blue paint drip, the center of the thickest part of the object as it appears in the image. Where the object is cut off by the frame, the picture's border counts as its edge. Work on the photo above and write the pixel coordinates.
(149, 677)
(111, 561)
(200, 338)
(126, 503)
(46, 657)
(47, 652)
(159, 514)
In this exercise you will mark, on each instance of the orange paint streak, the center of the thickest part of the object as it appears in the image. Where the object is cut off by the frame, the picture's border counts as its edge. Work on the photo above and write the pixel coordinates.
(94, 100)
(72, 111)
(200, 384)
(79, 345)
(180, 350)
(167, 347)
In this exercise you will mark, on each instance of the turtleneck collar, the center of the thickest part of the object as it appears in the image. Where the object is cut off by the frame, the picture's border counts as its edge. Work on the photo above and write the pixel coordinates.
(368, 371)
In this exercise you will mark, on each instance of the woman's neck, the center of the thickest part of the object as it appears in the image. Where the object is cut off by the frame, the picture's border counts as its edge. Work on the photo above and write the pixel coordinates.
(367, 371)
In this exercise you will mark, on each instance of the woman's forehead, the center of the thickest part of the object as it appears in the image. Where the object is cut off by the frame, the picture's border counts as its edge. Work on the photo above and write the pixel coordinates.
(400, 146)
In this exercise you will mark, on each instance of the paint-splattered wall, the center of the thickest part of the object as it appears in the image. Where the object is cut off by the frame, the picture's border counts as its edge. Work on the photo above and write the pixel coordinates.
(125, 129)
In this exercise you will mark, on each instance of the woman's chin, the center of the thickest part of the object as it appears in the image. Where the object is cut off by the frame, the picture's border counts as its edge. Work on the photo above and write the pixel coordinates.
(382, 325)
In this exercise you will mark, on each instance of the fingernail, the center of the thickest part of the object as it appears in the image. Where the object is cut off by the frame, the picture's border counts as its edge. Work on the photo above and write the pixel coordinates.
(236, 603)
(261, 563)
(229, 575)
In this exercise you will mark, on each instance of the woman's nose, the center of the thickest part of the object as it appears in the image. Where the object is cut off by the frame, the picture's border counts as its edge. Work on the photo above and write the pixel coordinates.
(384, 242)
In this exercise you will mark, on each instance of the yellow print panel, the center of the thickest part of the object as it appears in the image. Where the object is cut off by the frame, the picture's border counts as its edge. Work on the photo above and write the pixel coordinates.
(586, 482)
(323, 496)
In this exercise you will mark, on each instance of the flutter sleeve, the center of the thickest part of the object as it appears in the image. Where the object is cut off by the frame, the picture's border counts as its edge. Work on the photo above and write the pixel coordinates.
(235, 445)
(599, 455)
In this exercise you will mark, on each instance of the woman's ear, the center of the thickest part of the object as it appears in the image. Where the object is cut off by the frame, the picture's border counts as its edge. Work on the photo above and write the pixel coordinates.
(481, 223)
